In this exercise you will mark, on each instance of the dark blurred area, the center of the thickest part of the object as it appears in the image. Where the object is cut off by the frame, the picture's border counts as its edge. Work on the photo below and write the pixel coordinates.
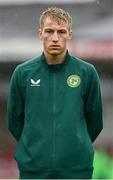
(92, 41)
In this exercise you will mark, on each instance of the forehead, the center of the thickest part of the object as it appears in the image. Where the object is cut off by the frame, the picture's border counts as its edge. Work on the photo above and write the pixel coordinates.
(51, 23)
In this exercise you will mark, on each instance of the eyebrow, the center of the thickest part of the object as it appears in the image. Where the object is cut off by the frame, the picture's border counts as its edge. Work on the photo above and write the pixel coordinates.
(46, 29)
(58, 30)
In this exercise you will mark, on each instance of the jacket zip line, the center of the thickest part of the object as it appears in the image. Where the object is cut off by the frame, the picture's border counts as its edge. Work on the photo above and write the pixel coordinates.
(54, 116)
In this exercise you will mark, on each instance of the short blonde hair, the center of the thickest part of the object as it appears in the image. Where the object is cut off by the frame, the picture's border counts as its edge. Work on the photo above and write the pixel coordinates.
(56, 14)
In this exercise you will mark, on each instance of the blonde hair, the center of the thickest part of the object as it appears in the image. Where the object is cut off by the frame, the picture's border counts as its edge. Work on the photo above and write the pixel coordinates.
(56, 14)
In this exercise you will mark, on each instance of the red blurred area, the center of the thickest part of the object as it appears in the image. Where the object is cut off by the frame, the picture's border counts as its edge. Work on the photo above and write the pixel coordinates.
(8, 166)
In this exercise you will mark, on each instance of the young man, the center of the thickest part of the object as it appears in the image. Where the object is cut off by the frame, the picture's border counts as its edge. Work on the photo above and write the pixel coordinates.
(54, 107)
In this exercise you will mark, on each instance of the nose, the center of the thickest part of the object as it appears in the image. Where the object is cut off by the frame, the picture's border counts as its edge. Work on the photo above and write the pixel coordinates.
(55, 37)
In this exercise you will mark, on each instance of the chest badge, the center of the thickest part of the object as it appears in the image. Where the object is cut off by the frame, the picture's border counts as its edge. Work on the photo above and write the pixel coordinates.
(73, 81)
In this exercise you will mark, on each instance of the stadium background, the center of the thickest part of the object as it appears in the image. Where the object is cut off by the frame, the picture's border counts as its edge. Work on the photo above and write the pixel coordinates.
(92, 41)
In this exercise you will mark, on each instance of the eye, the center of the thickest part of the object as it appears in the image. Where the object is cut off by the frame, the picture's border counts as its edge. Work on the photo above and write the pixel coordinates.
(62, 32)
(49, 31)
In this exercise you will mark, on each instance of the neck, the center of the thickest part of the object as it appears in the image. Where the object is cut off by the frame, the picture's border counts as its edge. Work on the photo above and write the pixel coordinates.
(55, 59)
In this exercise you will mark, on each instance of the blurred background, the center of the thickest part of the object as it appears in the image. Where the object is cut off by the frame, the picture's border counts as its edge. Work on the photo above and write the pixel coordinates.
(92, 41)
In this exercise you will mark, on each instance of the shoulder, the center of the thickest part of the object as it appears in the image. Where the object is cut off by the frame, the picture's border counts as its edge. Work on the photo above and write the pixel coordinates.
(23, 69)
(85, 69)
(83, 65)
(27, 65)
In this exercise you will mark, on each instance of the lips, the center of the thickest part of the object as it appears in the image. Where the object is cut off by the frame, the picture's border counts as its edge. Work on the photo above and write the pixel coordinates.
(54, 46)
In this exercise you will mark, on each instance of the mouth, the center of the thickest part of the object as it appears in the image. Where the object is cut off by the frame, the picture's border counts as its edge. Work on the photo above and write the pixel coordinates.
(54, 46)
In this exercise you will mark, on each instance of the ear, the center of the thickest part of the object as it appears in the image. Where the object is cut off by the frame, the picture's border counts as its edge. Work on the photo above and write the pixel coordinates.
(70, 34)
(40, 33)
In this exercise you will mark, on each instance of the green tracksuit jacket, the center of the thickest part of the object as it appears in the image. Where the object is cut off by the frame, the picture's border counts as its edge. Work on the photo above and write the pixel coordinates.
(55, 113)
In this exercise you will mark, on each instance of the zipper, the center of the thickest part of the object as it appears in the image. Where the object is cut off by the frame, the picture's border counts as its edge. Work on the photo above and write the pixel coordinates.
(54, 117)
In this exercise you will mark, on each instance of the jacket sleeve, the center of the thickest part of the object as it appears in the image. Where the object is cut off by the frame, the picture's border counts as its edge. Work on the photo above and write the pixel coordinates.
(15, 106)
(93, 105)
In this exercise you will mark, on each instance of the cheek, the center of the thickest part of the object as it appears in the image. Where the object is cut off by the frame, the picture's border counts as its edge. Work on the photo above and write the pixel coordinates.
(46, 39)
(64, 41)
(46, 42)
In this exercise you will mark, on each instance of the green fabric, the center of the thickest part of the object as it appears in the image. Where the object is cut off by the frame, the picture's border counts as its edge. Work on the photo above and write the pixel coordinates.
(55, 113)
(56, 174)
(103, 165)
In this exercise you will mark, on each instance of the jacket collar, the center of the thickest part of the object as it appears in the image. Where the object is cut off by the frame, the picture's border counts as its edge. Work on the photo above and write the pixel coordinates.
(55, 66)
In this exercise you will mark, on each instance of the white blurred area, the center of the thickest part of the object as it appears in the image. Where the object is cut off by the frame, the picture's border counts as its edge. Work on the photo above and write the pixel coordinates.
(19, 41)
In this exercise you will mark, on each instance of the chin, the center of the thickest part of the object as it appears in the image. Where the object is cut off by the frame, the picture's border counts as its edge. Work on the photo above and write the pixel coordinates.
(55, 53)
